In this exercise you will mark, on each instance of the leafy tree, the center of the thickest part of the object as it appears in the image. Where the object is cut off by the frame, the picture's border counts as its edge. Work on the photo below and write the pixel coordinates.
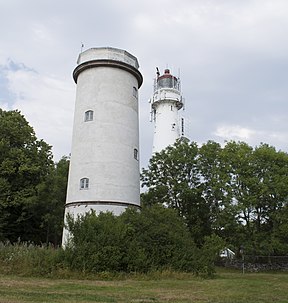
(24, 164)
(259, 179)
(174, 180)
(171, 172)
(215, 178)
(279, 236)
(52, 198)
(236, 192)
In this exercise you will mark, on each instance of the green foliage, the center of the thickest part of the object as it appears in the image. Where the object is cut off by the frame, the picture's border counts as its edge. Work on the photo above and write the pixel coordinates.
(173, 180)
(96, 243)
(32, 189)
(236, 192)
(154, 239)
(51, 200)
(162, 239)
(209, 253)
(30, 260)
(259, 186)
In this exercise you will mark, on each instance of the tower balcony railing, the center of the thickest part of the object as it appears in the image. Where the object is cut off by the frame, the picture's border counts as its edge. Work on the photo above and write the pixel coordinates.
(167, 94)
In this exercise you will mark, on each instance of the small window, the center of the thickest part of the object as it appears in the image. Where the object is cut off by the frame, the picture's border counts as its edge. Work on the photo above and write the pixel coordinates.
(135, 153)
(88, 115)
(135, 92)
(84, 183)
(182, 126)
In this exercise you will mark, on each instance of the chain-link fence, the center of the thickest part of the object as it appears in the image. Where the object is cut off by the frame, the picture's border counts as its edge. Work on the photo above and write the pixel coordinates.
(252, 263)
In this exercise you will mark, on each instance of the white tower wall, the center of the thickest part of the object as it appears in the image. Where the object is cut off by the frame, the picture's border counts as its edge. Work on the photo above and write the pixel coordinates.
(105, 148)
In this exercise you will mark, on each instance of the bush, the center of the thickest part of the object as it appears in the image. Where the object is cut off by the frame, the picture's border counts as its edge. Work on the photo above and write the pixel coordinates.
(209, 253)
(96, 244)
(151, 240)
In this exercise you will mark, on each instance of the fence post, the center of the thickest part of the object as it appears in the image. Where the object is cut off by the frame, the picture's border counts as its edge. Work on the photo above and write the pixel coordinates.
(243, 258)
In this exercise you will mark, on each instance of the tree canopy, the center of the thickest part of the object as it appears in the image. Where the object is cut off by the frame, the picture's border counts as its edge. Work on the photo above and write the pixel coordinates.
(26, 165)
(237, 192)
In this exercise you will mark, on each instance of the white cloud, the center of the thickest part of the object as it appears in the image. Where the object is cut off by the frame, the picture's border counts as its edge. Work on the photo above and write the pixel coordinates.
(47, 103)
(41, 33)
(277, 138)
(234, 132)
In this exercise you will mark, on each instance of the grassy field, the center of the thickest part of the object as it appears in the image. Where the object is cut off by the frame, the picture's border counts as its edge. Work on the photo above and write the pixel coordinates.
(227, 286)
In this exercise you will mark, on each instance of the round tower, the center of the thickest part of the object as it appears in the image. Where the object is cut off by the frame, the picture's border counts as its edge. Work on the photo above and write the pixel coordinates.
(104, 165)
(165, 104)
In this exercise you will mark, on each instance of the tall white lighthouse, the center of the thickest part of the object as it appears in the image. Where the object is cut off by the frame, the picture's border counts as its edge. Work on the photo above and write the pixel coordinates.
(165, 105)
(104, 165)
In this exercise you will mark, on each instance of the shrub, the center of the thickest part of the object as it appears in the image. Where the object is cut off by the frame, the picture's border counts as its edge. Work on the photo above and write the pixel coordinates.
(154, 239)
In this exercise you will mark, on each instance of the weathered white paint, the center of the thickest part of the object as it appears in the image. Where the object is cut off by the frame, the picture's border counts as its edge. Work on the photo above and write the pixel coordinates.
(165, 104)
(103, 149)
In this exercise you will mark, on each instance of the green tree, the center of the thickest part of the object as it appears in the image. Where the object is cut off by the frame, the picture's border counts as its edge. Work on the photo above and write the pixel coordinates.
(279, 236)
(236, 192)
(215, 178)
(52, 198)
(173, 179)
(259, 179)
(24, 164)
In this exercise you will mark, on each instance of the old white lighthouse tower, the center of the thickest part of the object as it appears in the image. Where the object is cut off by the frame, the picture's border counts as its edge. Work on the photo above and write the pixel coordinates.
(104, 166)
(165, 104)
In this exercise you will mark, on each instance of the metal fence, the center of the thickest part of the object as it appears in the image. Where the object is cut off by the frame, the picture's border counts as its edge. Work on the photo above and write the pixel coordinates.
(252, 263)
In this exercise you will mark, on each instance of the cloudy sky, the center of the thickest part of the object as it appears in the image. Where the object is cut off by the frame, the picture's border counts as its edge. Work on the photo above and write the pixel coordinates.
(232, 57)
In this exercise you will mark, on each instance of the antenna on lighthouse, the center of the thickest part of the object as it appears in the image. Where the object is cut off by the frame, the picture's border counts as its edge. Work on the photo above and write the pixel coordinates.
(82, 45)
(158, 73)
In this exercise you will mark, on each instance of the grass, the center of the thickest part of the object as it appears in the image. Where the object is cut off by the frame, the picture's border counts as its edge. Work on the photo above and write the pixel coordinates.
(227, 286)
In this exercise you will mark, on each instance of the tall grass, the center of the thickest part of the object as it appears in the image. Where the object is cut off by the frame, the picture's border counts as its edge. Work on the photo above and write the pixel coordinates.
(31, 260)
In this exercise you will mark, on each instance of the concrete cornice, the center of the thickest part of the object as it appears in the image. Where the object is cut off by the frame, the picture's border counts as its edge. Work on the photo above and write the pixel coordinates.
(108, 63)
(89, 203)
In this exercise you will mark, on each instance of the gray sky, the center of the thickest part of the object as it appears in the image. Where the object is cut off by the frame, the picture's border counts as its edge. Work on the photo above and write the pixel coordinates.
(232, 56)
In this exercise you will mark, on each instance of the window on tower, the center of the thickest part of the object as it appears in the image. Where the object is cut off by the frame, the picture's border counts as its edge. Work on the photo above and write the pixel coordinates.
(182, 126)
(84, 183)
(135, 153)
(135, 92)
(88, 115)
